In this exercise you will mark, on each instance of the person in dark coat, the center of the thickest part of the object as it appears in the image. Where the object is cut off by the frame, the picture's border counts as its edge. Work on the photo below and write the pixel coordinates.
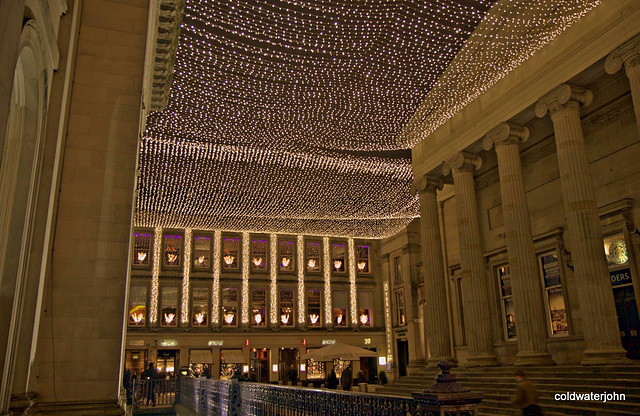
(150, 375)
(293, 375)
(332, 380)
(526, 396)
(347, 379)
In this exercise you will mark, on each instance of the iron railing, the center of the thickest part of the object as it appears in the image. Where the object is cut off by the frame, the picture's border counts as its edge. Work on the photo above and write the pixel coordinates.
(208, 397)
(150, 392)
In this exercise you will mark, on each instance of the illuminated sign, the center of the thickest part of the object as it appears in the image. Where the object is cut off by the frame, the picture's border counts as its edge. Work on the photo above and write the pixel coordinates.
(328, 341)
(168, 343)
(367, 341)
(216, 343)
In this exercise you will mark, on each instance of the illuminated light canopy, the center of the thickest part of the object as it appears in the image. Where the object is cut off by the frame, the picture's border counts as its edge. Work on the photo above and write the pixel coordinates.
(297, 126)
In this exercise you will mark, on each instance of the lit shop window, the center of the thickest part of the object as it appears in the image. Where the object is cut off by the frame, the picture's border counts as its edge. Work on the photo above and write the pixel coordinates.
(508, 313)
(400, 315)
(615, 249)
(201, 252)
(142, 249)
(172, 250)
(314, 308)
(169, 300)
(286, 308)
(340, 308)
(230, 253)
(557, 315)
(397, 270)
(315, 369)
(199, 306)
(312, 257)
(365, 308)
(258, 307)
(286, 255)
(259, 254)
(229, 306)
(362, 259)
(338, 258)
(138, 305)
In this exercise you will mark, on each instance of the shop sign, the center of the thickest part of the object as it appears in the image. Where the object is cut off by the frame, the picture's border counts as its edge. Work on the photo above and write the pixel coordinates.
(168, 343)
(216, 343)
(367, 341)
(136, 343)
(328, 341)
(620, 277)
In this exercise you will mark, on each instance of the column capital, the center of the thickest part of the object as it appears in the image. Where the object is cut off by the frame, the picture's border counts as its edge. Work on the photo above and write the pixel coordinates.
(427, 183)
(561, 96)
(505, 133)
(461, 162)
(626, 55)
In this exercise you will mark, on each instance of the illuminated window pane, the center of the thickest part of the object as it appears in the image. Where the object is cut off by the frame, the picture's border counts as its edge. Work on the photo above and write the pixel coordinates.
(312, 257)
(504, 275)
(172, 250)
(230, 253)
(199, 306)
(286, 308)
(259, 254)
(229, 306)
(615, 248)
(338, 258)
(400, 315)
(365, 308)
(362, 259)
(314, 308)
(315, 370)
(340, 308)
(142, 249)
(169, 300)
(138, 305)
(201, 252)
(550, 268)
(286, 255)
(397, 270)
(258, 307)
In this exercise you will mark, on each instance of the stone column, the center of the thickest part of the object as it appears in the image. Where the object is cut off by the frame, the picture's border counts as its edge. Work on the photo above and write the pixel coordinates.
(597, 308)
(628, 55)
(474, 286)
(525, 280)
(435, 319)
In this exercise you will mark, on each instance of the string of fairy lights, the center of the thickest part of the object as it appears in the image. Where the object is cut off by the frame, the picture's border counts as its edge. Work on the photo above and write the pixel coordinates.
(278, 111)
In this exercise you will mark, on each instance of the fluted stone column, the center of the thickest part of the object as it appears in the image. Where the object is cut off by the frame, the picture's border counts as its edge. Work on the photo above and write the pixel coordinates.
(525, 281)
(601, 334)
(435, 320)
(474, 286)
(628, 55)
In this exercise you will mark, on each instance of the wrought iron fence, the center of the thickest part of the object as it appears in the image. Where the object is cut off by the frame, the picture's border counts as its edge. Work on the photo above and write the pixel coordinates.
(230, 398)
(149, 392)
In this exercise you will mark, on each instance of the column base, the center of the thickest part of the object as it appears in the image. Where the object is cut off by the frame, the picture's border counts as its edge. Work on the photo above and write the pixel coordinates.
(482, 361)
(533, 358)
(605, 357)
(433, 362)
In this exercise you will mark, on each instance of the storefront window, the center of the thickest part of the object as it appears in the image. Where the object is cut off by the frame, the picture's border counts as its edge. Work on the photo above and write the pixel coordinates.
(258, 254)
(365, 308)
(199, 306)
(339, 365)
(138, 305)
(312, 256)
(172, 250)
(314, 308)
(229, 363)
(338, 258)
(258, 307)
(362, 259)
(230, 253)
(397, 270)
(508, 313)
(286, 255)
(142, 249)
(286, 308)
(554, 296)
(201, 252)
(229, 306)
(169, 300)
(340, 308)
(315, 370)
(400, 316)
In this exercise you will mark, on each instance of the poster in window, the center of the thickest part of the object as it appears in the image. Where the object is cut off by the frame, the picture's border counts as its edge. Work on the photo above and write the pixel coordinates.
(559, 322)
(550, 270)
(510, 319)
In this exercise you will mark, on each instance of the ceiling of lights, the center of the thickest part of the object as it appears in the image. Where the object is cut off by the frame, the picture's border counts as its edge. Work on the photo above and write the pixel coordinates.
(286, 116)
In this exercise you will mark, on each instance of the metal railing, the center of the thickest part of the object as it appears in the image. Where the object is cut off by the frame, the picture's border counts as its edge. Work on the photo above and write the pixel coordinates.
(230, 398)
(150, 392)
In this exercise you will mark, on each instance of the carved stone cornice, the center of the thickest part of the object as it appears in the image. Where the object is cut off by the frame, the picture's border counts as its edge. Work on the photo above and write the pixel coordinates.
(562, 97)
(505, 133)
(162, 42)
(627, 55)
(427, 183)
(462, 162)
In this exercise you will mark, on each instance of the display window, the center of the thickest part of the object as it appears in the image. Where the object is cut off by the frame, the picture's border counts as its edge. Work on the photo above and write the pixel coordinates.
(201, 253)
(286, 255)
(508, 312)
(172, 244)
(362, 259)
(169, 301)
(365, 308)
(314, 308)
(230, 253)
(138, 295)
(259, 254)
(313, 250)
(200, 306)
(287, 308)
(229, 306)
(339, 308)
(142, 243)
(338, 258)
(554, 293)
(258, 307)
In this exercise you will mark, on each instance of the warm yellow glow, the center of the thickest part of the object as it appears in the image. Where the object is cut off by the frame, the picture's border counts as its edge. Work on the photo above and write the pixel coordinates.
(314, 318)
(228, 259)
(258, 318)
(362, 265)
(311, 263)
(337, 264)
(286, 261)
(285, 318)
(168, 317)
(137, 317)
(199, 317)
(142, 256)
(339, 319)
(200, 259)
(257, 261)
(364, 319)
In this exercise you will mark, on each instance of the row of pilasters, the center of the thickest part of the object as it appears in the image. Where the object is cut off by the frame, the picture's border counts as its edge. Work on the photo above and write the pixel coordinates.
(602, 340)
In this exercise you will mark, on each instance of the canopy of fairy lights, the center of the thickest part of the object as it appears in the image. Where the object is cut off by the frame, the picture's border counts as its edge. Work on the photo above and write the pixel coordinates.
(290, 116)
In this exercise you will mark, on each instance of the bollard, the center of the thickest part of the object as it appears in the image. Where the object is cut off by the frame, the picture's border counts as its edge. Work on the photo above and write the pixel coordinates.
(363, 387)
(447, 397)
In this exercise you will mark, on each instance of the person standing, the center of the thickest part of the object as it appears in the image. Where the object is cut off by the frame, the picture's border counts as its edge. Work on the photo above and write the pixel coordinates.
(293, 375)
(332, 380)
(150, 376)
(526, 396)
(347, 378)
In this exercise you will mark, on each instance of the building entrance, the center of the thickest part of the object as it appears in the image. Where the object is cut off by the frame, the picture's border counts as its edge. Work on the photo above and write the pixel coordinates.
(403, 356)
(260, 364)
(628, 320)
(288, 357)
(167, 361)
(369, 368)
(135, 361)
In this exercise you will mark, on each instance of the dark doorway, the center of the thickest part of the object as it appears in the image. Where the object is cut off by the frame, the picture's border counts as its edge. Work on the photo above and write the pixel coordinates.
(628, 319)
(167, 362)
(288, 357)
(403, 357)
(369, 368)
(260, 364)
